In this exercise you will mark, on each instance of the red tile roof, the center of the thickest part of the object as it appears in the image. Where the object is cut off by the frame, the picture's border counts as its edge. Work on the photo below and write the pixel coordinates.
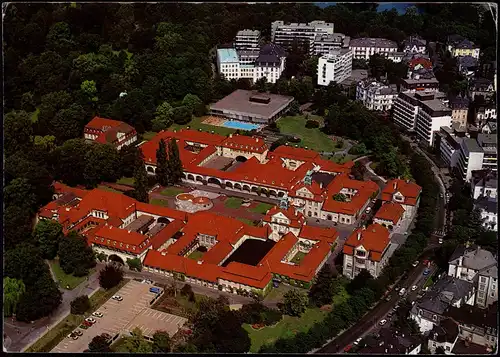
(328, 235)
(315, 189)
(296, 219)
(161, 211)
(166, 233)
(333, 167)
(117, 238)
(60, 188)
(290, 152)
(245, 143)
(411, 191)
(99, 123)
(390, 211)
(374, 239)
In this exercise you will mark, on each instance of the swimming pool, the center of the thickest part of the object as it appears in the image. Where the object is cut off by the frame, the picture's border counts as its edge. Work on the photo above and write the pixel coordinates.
(240, 125)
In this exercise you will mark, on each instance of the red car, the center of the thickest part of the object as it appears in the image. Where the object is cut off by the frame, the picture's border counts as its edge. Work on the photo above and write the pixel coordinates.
(86, 323)
(347, 348)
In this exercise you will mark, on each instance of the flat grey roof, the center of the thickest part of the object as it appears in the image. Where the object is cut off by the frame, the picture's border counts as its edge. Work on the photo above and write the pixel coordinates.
(472, 145)
(372, 42)
(421, 80)
(239, 101)
(435, 104)
(139, 223)
(487, 138)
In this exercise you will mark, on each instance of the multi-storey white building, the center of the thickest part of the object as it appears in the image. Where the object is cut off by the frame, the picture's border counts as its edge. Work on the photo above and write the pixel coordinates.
(415, 45)
(247, 40)
(485, 114)
(470, 158)
(268, 62)
(420, 82)
(375, 95)
(423, 110)
(488, 143)
(325, 43)
(286, 34)
(431, 116)
(448, 146)
(395, 56)
(488, 208)
(335, 66)
(364, 48)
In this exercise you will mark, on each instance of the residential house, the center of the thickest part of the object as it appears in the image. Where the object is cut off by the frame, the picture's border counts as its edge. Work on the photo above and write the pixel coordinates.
(108, 131)
(389, 215)
(459, 109)
(444, 335)
(376, 95)
(415, 44)
(460, 46)
(405, 193)
(467, 66)
(324, 44)
(391, 341)
(481, 87)
(364, 48)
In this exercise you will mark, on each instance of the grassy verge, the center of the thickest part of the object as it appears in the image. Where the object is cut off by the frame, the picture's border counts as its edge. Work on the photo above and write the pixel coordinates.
(171, 191)
(148, 135)
(126, 181)
(196, 124)
(261, 208)
(246, 221)
(313, 138)
(298, 257)
(287, 327)
(52, 338)
(195, 255)
(158, 202)
(106, 188)
(64, 279)
(233, 202)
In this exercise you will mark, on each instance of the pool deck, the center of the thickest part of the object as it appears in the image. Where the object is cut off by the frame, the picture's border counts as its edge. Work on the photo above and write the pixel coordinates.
(232, 124)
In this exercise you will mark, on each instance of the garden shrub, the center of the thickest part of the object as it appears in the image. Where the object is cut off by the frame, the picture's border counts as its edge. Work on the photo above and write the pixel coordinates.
(312, 124)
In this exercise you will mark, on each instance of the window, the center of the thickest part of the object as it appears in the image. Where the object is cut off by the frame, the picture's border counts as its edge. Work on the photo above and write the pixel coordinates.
(434, 317)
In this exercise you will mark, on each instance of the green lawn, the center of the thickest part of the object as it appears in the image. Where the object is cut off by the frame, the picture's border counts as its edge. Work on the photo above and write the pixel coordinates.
(246, 221)
(158, 202)
(34, 115)
(126, 181)
(339, 160)
(298, 257)
(65, 279)
(261, 208)
(195, 255)
(52, 338)
(106, 188)
(312, 138)
(196, 124)
(233, 202)
(171, 191)
(287, 327)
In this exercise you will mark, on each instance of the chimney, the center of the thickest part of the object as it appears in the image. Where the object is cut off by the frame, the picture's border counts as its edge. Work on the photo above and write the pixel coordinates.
(359, 235)
(364, 227)
(200, 262)
(230, 135)
(386, 350)
(129, 231)
(321, 185)
(395, 185)
(175, 131)
(256, 140)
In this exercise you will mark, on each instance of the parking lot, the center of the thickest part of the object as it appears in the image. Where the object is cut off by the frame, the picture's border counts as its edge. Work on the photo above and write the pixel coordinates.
(120, 317)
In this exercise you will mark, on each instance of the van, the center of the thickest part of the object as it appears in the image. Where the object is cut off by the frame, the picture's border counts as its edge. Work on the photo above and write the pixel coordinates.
(402, 292)
(155, 290)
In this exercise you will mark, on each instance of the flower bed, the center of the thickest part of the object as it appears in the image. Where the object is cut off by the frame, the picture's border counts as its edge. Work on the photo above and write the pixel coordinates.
(258, 326)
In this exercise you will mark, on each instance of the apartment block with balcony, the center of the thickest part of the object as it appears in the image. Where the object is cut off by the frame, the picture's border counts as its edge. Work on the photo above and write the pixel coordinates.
(419, 83)
(488, 142)
(228, 63)
(431, 116)
(364, 48)
(335, 66)
(304, 34)
(375, 95)
(367, 248)
(247, 40)
(448, 145)
(470, 158)
(324, 44)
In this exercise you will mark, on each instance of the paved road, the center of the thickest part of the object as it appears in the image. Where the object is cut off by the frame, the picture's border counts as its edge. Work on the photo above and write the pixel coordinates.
(22, 334)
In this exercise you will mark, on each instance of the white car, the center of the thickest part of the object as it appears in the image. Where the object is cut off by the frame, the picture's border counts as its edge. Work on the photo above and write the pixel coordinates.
(358, 341)
(414, 287)
(91, 320)
(368, 210)
(415, 263)
(402, 291)
(117, 298)
(382, 322)
(97, 314)
(440, 240)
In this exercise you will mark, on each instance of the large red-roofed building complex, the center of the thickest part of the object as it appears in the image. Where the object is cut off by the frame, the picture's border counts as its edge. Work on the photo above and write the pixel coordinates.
(108, 131)
(286, 173)
(163, 238)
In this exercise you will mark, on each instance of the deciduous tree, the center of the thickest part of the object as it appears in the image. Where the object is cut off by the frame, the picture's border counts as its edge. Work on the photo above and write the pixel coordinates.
(80, 305)
(163, 117)
(163, 169)
(13, 289)
(110, 276)
(294, 303)
(161, 342)
(75, 255)
(140, 179)
(174, 162)
(47, 235)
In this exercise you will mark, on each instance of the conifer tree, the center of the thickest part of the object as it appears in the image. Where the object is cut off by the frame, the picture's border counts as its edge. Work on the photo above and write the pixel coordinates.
(163, 169)
(140, 179)
(174, 162)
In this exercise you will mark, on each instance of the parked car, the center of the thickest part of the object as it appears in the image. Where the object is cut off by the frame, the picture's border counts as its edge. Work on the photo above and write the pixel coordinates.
(382, 322)
(358, 341)
(91, 320)
(388, 298)
(415, 263)
(75, 337)
(117, 298)
(368, 210)
(414, 287)
(347, 348)
(71, 335)
(97, 314)
(78, 333)
(426, 272)
(440, 240)
(86, 323)
(402, 292)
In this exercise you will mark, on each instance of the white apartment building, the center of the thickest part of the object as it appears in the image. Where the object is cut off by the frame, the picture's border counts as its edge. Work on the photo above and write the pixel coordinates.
(364, 48)
(325, 43)
(247, 40)
(431, 116)
(467, 263)
(375, 95)
(448, 146)
(470, 158)
(484, 114)
(268, 62)
(335, 67)
(286, 34)
(488, 143)
(459, 111)
(423, 110)
(228, 63)
(395, 56)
